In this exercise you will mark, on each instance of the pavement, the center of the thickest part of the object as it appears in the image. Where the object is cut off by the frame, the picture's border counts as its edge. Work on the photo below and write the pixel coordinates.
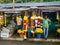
(43, 40)
(4, 42)
(32, 39)
(29, 41)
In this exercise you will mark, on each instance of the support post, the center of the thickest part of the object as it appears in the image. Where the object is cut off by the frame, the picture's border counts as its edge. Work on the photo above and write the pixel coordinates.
(13, 4)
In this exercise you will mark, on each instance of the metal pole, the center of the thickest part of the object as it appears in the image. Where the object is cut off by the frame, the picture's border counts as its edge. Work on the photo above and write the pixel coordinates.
(13, 4)
(5, 19)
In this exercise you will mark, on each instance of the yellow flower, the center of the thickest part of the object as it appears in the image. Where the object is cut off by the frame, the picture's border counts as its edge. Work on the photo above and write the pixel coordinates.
(20, 31)
(25, 17)
(33, 16)
(58, 30)
(41, 18)
(38, 30)
(16, 18)
(1, 22)
(41, 26)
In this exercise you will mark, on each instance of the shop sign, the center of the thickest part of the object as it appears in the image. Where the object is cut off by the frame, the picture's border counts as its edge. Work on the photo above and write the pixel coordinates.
(5, 35)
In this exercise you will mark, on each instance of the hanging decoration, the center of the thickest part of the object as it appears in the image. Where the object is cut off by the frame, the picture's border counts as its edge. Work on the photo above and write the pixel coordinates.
(25, 24)
(33, 20)
(57, 16)
(1, 20)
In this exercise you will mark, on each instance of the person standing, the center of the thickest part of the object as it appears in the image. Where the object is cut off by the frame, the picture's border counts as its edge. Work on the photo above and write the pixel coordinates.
(46, 22)
(19, 22)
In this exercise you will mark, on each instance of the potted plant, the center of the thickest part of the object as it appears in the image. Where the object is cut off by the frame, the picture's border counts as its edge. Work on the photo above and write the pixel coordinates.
(20, 33)
(38, 32)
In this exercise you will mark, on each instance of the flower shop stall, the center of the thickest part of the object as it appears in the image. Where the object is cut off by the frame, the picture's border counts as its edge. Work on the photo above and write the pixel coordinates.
(27, 19)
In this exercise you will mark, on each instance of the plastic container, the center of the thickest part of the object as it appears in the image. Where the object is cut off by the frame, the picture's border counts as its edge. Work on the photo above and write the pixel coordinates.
(38, 35)
(29, 33)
